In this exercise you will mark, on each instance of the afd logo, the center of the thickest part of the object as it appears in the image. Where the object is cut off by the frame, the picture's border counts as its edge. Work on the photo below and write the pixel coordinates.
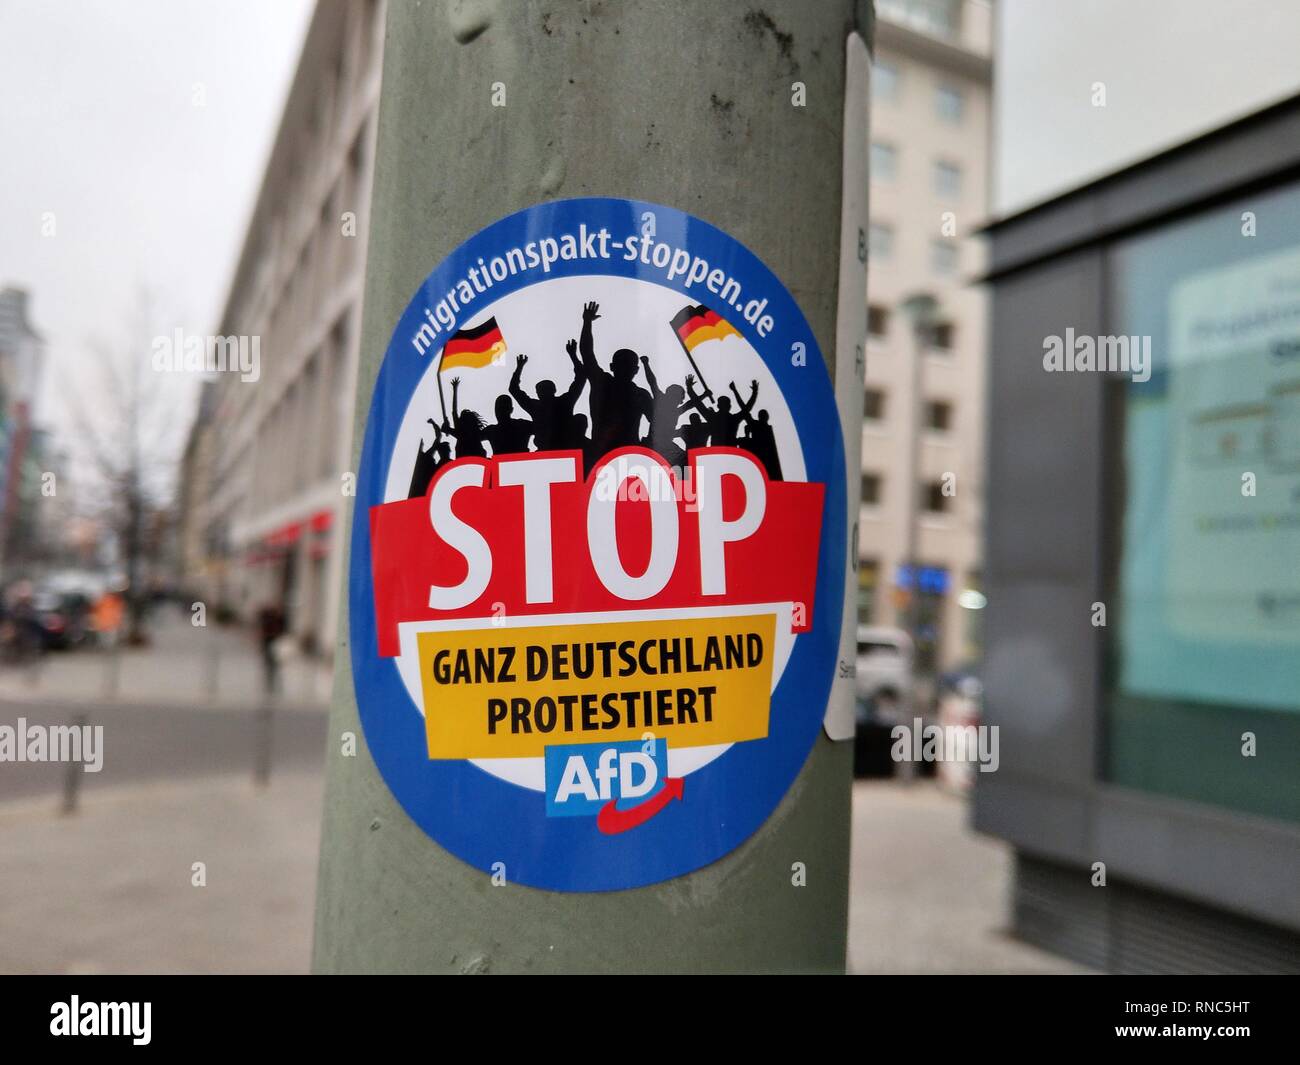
(621, 784)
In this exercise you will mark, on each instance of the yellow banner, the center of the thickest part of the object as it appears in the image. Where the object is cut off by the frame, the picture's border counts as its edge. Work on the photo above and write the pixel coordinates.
(511, 692)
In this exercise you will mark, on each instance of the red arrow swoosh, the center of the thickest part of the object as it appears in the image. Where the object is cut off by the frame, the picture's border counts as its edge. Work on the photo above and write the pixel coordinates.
(612, 820)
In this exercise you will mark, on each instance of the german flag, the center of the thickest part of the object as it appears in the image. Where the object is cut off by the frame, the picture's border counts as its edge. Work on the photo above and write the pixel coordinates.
(695, 325)
(470, 349)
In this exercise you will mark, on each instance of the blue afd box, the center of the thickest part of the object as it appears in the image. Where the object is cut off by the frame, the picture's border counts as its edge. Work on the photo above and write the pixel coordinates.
(583, 777)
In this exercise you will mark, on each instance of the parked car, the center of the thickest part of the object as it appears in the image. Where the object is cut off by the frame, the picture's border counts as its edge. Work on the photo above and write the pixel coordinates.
(884, 669)
(884, 691)
(62, 618)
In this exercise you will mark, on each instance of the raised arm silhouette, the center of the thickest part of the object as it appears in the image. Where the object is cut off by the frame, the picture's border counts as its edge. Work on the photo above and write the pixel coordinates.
(466, 427)
(759, 439)
(427, 461)
(618, 403)
(666, 410)
(510, 435)
(745, 408)
(552, 414)
(722, 421)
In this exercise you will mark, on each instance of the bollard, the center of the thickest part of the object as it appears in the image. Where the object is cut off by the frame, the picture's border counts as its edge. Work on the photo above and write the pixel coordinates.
(263, 725)
(214, 662)
(72, 774)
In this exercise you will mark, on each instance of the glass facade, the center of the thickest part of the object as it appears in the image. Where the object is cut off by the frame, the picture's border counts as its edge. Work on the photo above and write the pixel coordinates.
(1202, 677)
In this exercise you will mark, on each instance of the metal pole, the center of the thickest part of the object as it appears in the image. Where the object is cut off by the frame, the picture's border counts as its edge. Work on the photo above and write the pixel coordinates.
(214, 660)
(263, 723)
(73, 772)
(113, 674)
(689, 105)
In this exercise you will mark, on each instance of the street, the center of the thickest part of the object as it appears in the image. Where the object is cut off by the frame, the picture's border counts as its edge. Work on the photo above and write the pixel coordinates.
(152, 743)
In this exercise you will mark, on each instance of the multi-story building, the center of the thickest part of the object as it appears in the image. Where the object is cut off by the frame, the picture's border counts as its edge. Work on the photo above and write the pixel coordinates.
(21, 365)
(266, 524)
(196, 560)
(922, 444)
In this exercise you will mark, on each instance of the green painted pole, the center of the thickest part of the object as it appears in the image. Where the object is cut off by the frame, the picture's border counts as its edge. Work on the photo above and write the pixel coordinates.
(689, 105)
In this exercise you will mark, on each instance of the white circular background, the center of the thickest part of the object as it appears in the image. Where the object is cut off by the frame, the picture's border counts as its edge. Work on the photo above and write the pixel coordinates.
(537, 321)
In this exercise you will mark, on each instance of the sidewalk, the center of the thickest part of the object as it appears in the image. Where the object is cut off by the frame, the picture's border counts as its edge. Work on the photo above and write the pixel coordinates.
(109, 889)
(928, 895)
(183, 666)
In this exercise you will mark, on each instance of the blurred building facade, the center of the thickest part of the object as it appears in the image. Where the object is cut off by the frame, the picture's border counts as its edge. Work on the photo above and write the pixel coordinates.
(22, 361)
(930, 108)
(196, 556)
(265, 466)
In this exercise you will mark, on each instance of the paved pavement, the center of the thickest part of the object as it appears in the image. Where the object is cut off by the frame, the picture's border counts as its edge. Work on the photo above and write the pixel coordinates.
(109, 889)
(927, 894)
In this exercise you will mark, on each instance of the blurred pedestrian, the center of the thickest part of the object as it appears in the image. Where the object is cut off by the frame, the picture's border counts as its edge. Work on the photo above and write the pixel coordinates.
(270, 627)
(106, 617)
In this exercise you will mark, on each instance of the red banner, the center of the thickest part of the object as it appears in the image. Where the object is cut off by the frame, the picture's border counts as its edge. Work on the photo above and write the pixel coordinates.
(775, 563)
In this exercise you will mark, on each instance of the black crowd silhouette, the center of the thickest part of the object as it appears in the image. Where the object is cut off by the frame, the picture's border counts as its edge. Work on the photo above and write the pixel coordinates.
(618, 407)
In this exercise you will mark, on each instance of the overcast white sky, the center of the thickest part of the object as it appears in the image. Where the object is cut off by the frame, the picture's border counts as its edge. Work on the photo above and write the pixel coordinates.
(1172, 69)
(99, 124)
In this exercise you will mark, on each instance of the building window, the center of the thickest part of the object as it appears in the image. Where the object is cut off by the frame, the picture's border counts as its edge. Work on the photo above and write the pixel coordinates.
(936, 502)
(873, 406)
(941, 336)
(884, 161)
(943, 257)
(868, 580)
(870, 489)
(948, 103)
(947, 179)
(880, 240)
(884, 82)
(938, 415)
(877, 320)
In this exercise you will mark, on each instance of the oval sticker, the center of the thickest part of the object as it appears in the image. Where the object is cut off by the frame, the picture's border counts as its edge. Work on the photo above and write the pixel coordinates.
(598, 551)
